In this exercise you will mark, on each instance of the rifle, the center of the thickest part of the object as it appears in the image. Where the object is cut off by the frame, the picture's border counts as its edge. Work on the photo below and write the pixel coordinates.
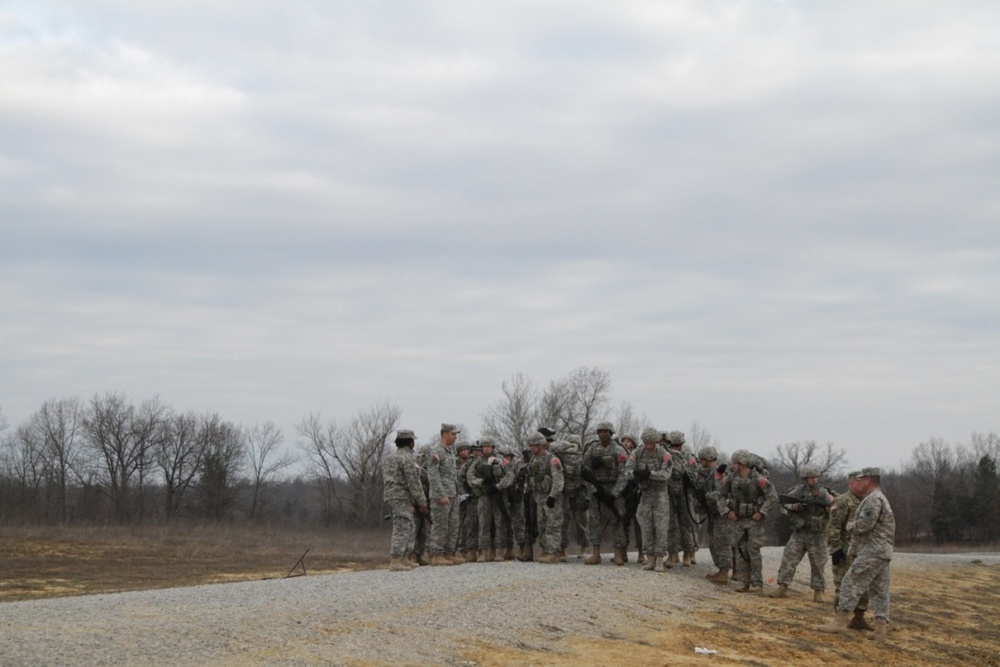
(602, 494)
(816, 501)
(741, 546)
(691, 488)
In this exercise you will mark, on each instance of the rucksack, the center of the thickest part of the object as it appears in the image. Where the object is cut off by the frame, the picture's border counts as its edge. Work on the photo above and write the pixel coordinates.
(570, 456)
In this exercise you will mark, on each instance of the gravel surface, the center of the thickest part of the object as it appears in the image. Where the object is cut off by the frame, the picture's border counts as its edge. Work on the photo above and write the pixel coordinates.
(420, 617)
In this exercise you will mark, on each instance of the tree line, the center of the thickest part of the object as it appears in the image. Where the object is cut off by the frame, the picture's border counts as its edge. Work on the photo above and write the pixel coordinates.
(110, 460)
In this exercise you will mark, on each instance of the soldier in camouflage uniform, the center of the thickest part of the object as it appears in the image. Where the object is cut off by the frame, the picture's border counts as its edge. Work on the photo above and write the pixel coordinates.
(463, 448)
(403, 493)
(709, 480)
(515, 500)
(839, 540)
(545, 481)
(630, 497)
(745, 499)
(423, 521)
(489, 478)
(606, 459)
(873, 532)
(809, 522)
(652, 466)
(575, 495)
(443, 478)
(682, 527)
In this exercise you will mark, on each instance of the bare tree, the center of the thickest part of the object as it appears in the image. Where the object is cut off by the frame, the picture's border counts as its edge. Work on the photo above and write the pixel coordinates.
(263, 441)
(576, 403)
(355, 455)
(791, 458)
(320, 443)
(514, 417)
(108, 430)
(628, 423)
(699, 438)
(223, 458)
(58, 425)
(179, 455)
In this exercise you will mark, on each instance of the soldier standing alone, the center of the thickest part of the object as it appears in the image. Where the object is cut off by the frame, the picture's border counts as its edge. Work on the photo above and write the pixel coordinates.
(403, 493)
(809, 517)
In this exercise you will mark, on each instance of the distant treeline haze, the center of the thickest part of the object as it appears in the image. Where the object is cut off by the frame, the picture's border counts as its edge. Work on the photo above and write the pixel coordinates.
(109, 460)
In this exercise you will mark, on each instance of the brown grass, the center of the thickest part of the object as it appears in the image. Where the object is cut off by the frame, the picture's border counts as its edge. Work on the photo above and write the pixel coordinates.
(58, 561)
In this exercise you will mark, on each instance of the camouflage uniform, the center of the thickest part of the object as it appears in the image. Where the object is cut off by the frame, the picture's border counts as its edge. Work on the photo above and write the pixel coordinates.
(745, 496)
(709, 482)
(842, 512)
(575, 495)
(682, 527)
(608, 466)
(443, 479)
(545, 480)
(809, 536)
(653, 469)
(468, 507)
(515, 496)
(403, 491)
(872, 534)
(422, 523)
(492, 501)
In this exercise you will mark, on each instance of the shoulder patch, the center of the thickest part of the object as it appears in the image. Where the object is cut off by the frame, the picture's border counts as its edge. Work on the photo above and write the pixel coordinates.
(666, 457)
(762, 482)
(691, 461)
(621, 458)
(437, 457)
(719, 476)
(556, 462)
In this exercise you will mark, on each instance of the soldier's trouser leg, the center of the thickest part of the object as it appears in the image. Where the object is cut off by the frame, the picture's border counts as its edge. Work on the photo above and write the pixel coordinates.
(421, 533)
(530, 519)
(551, 535)
(818, 555)
(754, 544)
(564, 500)
(445, 518)
(517, 519)
(795, 549)
(486, 523)
(462, 543)
(866, 575)
(838, 576)
(403, 528)
(719, 543)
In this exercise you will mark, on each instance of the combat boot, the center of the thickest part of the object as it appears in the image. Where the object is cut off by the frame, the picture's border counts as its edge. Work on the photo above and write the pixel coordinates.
(491, 555)
(595, 557)
(817, 596)
(396, 564)
(561, 556)
(756, 588)
(836, 624)
(625, 554)
(721, 577)
(498, 557)
(508, 553)
(456, 559)
(529, 552)
(440, 559)
(481, 557)
(780, 592)
(694, 560)
(548, 558)
(672, 559)
(651, 563)
(641, 559)
(744, 584)
(658, 564)
(619, 558)
(881, 630)
(688, 558)
(859, 622)
(473, 556)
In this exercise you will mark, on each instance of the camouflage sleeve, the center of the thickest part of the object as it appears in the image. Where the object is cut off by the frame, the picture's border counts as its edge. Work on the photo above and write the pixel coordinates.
(509, 476)
(411, 472)
(434, 476)
(770, 497)
(868, 513)
(724, 496)
(666, 469)
(620, 480)
(836, 531)
(558, 482)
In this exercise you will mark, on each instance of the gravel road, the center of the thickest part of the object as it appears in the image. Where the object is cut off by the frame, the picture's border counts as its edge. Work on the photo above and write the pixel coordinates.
(422, 617)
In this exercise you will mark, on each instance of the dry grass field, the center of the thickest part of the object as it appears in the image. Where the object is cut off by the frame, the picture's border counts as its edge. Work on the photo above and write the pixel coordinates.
(56, 561)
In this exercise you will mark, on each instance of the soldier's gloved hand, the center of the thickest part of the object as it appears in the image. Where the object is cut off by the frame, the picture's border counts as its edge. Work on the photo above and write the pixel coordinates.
(550, 502)
(838, 557)
(641, 474)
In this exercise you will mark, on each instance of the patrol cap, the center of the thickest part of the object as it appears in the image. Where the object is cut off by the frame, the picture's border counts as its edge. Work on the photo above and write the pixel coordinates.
(871, 472)
(650, 434)
(487, 441)
(676, 438)
(854, 474)
(708, 453)
(605, 426)
(536, 439)
(405, 434)
(449, 428)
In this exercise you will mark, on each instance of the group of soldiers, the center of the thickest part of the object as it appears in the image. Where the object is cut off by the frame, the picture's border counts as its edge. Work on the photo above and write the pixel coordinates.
(458, 502)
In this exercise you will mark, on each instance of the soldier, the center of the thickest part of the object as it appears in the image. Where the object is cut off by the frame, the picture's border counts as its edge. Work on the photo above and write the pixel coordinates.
(809, 517)
(652, 466)
(466, 543)
(709, 478)
(605, 459)
(745, 499)
(423, 521)
(443, 479)
(575, 495)
(842, 512)
(515, 501)
(545, 480)
(873, 531)
(682, 526)
(630, 496)
(489, 477)
(403, 493)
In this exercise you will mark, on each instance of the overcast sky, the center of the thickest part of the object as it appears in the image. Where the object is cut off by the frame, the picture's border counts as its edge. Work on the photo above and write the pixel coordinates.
(780, 220)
